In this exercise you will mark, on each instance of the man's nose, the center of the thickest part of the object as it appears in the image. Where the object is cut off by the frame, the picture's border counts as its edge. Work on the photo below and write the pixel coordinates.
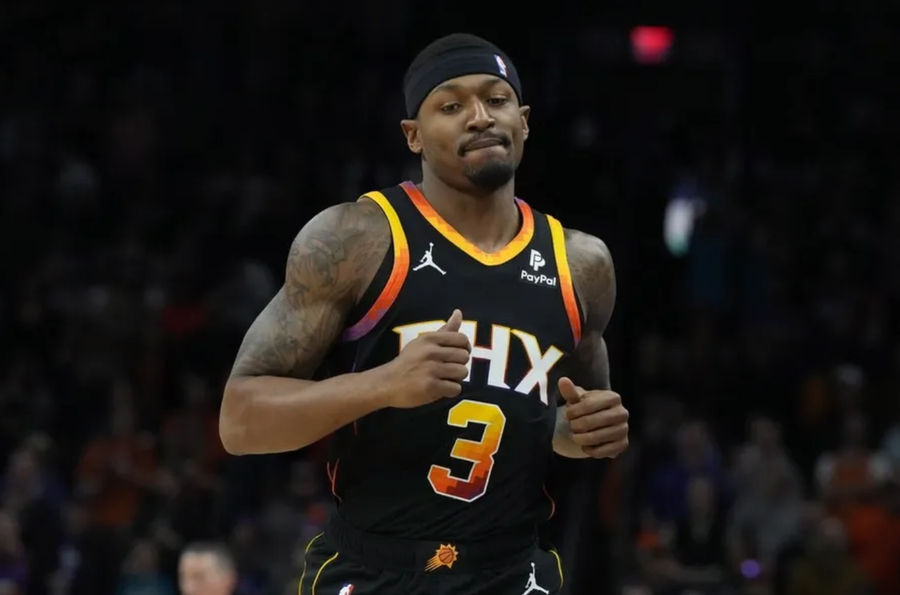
(481, 118)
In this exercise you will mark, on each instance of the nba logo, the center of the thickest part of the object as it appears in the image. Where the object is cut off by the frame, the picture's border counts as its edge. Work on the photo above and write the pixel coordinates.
(346, 589)
(500, 64)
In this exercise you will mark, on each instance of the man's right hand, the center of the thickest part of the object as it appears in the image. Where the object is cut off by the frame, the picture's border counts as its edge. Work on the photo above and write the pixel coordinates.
(430, 367)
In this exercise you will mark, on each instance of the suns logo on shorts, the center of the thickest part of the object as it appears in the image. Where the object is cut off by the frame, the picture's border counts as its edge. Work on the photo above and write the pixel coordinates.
(444, 556)
(346, 589)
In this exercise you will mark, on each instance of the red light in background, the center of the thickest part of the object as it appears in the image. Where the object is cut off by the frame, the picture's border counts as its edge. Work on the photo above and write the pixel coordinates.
(651, 45)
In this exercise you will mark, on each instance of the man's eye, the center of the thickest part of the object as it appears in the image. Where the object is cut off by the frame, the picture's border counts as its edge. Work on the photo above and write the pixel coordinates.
(449, 108)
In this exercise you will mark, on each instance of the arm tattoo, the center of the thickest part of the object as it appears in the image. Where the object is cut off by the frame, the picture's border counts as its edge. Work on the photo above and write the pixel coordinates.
(593, 274)
(330, 263)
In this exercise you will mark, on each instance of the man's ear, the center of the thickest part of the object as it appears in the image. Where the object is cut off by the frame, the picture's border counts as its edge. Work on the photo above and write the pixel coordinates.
(524, 112)
(411, 132)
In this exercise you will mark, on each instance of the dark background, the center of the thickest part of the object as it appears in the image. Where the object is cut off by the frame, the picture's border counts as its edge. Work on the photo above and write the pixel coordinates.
(157, 158)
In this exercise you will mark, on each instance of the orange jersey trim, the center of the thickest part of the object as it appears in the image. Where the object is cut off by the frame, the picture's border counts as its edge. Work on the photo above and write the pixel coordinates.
(332, 477)
(565, 277)
(398, 273)
(505, 254)
(552, 502)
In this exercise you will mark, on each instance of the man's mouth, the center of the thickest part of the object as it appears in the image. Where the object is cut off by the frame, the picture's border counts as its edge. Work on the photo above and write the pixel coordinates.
(483, 143)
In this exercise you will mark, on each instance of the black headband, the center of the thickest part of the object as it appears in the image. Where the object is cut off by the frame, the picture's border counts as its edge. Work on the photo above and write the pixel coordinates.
(453, 63)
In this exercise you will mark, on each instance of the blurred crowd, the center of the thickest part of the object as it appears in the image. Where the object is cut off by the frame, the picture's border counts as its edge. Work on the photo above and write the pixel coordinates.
(156, 160)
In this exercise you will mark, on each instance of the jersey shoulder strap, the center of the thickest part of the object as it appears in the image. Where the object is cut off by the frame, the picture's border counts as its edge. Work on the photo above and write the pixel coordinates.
(389, 279)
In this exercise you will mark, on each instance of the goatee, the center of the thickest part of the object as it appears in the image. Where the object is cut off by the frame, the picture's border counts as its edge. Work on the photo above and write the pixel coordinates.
(491, 176)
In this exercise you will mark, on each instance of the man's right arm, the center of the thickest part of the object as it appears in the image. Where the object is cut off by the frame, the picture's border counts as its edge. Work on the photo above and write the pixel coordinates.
(269, 403)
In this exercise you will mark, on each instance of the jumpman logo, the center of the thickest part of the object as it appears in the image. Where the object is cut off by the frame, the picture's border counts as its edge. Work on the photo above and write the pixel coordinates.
(428, 261)
(532, 585)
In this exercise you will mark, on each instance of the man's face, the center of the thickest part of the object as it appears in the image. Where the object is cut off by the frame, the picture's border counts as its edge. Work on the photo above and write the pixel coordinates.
(470, 131)
(201, 574)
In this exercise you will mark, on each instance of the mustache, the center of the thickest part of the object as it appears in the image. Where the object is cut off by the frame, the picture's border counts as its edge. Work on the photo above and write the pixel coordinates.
(501, 138)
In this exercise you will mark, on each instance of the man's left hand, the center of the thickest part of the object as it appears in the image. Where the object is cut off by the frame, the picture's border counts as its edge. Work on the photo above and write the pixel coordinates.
(598, 421)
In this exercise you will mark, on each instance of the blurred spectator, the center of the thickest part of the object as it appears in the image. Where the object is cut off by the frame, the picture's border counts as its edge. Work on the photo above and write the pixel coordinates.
(769, 495)
(652, 557)
(117, 468)
(251, 560)
(827, 568)
(812, 513)
(13, 560)
(206, 568)
(700, 558)
(290, 518)
(190, 433)
(873, 532)
(696, 455)
(192, 455)
(30, 493)
(141, 573)
(688, 555)
(115, 473)
(854, 472)
(74, 575)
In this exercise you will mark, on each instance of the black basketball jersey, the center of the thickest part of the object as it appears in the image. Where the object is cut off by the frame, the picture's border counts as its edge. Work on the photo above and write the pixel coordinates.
(472, 466)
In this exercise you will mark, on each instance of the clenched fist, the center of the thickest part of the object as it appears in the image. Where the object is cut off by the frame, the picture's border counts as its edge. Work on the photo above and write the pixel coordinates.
(430, 367)
(598, 421)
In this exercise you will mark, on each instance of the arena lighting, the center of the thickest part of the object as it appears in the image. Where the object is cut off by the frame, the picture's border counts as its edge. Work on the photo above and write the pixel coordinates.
(651, 44)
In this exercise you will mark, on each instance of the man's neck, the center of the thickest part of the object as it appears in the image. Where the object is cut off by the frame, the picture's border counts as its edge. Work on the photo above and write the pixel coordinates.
(489, 221)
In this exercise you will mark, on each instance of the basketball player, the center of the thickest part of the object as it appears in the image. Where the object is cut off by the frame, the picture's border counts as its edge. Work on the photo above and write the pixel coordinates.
(428, 327)
(206, 569)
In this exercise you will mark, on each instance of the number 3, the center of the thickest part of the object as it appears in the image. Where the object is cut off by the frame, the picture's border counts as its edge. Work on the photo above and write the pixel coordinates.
(481, 452)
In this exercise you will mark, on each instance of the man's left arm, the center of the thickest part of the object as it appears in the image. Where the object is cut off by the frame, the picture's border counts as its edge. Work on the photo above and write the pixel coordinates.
(593, 422)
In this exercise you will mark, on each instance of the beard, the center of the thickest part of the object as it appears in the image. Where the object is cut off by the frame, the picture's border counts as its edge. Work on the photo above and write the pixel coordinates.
(490, 176)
